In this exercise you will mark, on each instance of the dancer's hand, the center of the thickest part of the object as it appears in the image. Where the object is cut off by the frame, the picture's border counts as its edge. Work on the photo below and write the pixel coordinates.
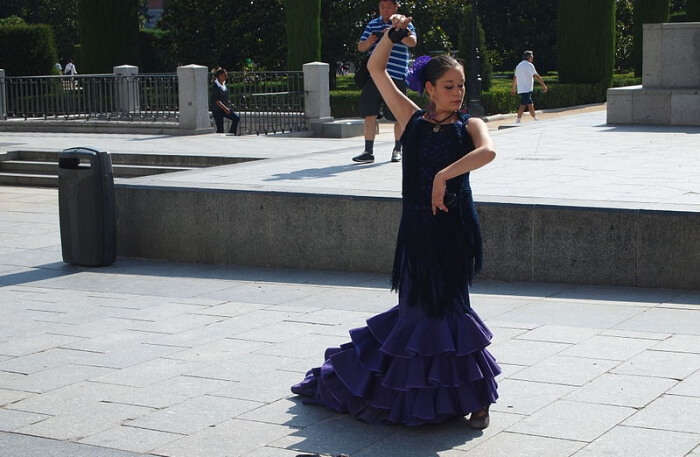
(399, 21)
(438, 198)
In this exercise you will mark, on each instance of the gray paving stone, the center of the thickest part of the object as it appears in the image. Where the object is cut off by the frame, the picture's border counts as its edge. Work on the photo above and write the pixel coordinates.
(242, 367)
(303, 347)
(8, 397)
(573, 314)
(278, 332)
(449, 439)
(334, 436)
(680, 343)
(174, 324)
(625, 441)
(523, 352)
(53, 378)
(664, 320)
(37, 343)
(263, 293)
(48, 359)
(508, 370)
(661, 364)
(76, 425)
(289, 411)
(230, 309)
(509, 444)
(501, 334)
(131, 439)
(11, 420)
(234, 437)
(193, 415)
(560, 334)
(621, 390)
(150, 372)
(223, 348)
(565, 370)
(276, 386)
(690, 386)
(669, 412)
(572, 420)
(268, 451)
(609, 347)
(633, 334)
(33, 446)
(526, 397)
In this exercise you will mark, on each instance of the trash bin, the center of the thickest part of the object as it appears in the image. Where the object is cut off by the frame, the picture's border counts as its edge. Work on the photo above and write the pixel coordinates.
(86, 207)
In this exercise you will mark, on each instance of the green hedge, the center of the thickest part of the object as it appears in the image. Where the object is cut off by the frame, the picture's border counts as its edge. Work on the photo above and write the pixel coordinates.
(646, 12)
(586, 41)
(27, 50)
(344, 102)
(155, 52)
(108, 34)
(693, 11)
(303, 27)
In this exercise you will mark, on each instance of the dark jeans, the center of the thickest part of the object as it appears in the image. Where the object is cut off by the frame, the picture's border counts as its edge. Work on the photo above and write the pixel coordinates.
(219, 116)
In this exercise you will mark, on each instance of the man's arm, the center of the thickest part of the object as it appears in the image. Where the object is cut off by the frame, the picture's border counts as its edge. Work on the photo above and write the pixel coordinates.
(364, 45)
(514, 86)
(541, 81)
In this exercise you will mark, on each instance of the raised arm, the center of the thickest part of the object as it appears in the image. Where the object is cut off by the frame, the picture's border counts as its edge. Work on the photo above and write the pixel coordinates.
(401, 106)
(482, 154)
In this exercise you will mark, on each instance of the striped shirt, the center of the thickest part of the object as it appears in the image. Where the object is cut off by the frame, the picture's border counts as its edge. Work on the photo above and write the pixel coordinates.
(397, 67)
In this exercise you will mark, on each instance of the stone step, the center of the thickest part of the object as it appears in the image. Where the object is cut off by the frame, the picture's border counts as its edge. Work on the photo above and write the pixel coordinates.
(119, 171)
(167, 160)
(26, 179)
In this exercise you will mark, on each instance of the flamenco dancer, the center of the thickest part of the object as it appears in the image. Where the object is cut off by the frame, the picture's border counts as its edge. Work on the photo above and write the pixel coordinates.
(423, 361)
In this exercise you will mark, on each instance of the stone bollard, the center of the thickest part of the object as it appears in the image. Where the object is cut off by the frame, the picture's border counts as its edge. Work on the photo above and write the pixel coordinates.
(3, 91)
(127, 88)
(193, 97)
(317, 99)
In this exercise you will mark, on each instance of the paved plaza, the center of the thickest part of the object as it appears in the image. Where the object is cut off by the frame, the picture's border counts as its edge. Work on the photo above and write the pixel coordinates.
(182, 360)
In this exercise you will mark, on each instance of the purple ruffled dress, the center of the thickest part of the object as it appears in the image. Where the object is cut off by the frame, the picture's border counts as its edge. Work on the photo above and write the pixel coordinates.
(424, 360)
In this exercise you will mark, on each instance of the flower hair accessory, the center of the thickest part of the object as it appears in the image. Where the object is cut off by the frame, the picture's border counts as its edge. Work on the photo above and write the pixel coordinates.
(415, 78)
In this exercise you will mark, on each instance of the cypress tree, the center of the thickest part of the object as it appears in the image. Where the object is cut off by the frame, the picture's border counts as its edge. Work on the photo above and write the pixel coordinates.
(303, 24)
(108, 34)
(466, 47)
(693, 10)
(586, 41)
(646, 12)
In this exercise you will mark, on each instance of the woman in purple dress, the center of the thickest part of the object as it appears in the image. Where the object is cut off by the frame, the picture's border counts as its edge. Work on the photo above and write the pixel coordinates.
(423, 361)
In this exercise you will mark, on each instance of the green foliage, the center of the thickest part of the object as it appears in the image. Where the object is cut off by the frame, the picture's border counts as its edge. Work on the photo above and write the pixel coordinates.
(693, 10)
(108, 34)
(27, 50)
(646, 12)
(12, 20)
(586, 41)
(303, 26)
(623, 34)
(219, 32)
(513, 26)
(155, 54)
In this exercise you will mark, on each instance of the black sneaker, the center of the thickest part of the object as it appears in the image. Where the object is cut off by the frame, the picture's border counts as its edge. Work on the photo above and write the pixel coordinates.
(365, 157)
(396, 155)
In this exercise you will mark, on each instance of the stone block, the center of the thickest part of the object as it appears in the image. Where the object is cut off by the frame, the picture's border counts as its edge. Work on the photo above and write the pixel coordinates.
(127, 88)
(131, 439)
(609, 348)
(289, 411)
(517, 444)
(12, 420)
(652, 106)
(193, 97)
(685, 107)
(620, 105)
(526, 397)
(584, 245)
(670, 412)
(660, 364)
(343, 128)
(316, 90)
(3, 102)
(572, 371)
(690, 386)
(507, 232)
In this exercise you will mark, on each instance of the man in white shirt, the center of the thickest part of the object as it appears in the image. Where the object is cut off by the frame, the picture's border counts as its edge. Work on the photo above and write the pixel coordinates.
(70, 68)
(524, 84)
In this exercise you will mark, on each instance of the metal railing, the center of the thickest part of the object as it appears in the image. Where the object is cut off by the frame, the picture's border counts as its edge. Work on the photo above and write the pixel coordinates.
(268, 101)
(140, 97)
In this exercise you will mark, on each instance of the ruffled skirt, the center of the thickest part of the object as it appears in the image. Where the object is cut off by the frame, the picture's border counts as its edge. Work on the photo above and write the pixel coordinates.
(407, 368)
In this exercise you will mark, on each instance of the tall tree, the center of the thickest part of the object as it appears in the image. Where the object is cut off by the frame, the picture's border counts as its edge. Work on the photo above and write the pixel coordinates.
(108, 34)
(646, 12)
(303, 26)
(586, 41)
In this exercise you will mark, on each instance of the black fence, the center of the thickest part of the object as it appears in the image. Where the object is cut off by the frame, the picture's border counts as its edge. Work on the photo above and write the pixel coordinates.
(109, 97)
(268, 101)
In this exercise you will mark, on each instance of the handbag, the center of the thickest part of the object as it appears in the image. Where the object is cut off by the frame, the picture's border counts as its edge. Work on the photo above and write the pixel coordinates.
(361, 72)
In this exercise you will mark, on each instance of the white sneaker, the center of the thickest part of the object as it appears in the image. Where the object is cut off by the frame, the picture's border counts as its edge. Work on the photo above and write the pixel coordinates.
(517, 120)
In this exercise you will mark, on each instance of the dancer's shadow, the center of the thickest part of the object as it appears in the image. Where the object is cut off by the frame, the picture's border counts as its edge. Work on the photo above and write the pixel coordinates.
(325, 172)
(328, 433)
